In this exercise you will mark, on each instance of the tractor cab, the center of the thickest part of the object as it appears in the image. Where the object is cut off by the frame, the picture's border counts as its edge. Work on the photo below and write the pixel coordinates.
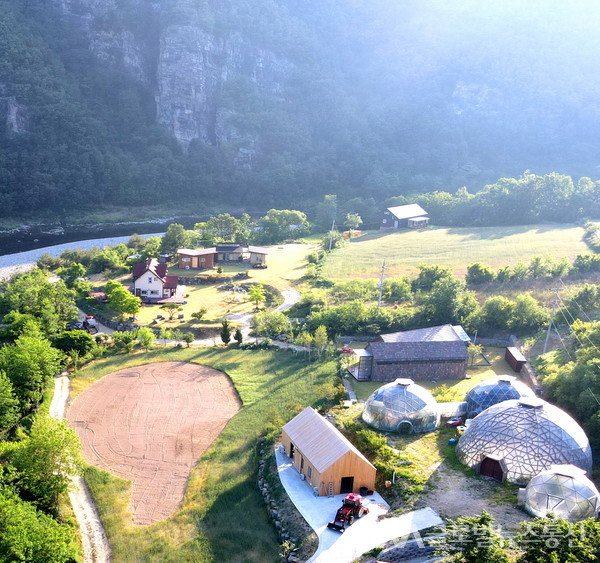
(351, 509)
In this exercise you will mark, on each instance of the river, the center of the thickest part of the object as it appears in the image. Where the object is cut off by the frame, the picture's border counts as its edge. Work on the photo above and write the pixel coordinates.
(21, 261)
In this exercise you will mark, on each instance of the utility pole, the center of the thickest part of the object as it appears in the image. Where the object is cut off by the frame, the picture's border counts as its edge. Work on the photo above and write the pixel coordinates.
(554, 305)
(331, 235)
(380, 285)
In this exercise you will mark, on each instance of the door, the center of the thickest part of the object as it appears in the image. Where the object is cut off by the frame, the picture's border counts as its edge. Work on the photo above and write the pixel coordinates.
(491, 468)
(138, 291)
(347, 485)
(292, 448)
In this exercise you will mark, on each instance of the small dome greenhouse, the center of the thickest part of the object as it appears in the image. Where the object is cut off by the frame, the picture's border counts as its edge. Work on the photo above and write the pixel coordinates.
(494, 391)
(402, 406)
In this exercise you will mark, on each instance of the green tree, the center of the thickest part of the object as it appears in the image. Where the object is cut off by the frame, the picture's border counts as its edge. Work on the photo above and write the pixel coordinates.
(175, 237)
(171, 309)
(497, 311)
(136, 242)
(146, 337)
(479, 273)
(428, 275)
(527, 314)
(321, 340)
(46, 459)
(238, 336)
(225, 228)
(397, 290)
(123, 340)
(449, 302)
(473, 539)
(30, 535)
(225, 331)
(256, 295)
(122, 302)
(279, 225)
(188, 338)
(199, 314)
(9, 407)
(271, 325)
(553, 539)
(352, 221)
(72, 274)
(74, 341)
(17, 324)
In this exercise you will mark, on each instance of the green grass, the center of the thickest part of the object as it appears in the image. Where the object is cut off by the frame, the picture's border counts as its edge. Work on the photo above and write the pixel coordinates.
(452, 247)
(223, 516)
(448, 389)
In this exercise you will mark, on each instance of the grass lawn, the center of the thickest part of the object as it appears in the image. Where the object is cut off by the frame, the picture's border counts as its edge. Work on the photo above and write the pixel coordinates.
(448, 389)
(223, 516)
(452, 247)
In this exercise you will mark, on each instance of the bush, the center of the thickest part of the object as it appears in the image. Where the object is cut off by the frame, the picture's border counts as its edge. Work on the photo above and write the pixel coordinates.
(479, 273)
(74, 341)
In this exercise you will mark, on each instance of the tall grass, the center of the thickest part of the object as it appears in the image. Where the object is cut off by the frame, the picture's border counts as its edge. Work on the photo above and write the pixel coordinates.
(223, 517)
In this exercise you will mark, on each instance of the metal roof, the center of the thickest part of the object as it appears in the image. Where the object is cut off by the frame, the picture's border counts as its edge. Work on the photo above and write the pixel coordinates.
(318, 440)
(196, 251)
(440, 333)
(407, 211)
(418, 351)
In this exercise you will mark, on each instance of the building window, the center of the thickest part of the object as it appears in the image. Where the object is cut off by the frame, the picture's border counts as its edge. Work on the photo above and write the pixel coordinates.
(309, 472)
(202, 259)
(150, 279)
(186, 259)
(144, 292)
(384, 221)
(153, 292)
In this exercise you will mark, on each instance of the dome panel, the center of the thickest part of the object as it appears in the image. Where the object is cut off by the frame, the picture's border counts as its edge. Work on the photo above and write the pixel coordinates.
(527, 436)
(402, 406)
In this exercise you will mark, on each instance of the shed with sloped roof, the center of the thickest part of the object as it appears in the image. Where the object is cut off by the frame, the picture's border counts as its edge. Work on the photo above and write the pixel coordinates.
(327, 460)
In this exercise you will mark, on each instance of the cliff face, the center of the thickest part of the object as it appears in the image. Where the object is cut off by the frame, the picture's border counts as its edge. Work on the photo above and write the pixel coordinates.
(191, 67)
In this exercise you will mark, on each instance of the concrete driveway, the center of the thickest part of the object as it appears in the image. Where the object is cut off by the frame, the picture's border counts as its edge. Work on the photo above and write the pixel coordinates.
(365, 534)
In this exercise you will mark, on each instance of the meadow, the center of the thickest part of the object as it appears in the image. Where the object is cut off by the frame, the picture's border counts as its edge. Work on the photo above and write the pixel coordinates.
(455, 248)
(223, 516)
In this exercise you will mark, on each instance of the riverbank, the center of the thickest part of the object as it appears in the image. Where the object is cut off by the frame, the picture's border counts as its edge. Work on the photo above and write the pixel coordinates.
(23, 261)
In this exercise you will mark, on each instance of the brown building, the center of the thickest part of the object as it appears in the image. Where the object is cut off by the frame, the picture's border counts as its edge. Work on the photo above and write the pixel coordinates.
(197, 258)
(438, 352)
(325, 457)
(204, 258)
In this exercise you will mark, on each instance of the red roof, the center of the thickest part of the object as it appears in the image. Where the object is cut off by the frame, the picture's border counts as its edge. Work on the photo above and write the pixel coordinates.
(171, 282)
(152, 265)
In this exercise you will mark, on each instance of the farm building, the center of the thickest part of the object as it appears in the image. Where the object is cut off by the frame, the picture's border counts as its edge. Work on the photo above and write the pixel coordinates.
(438, 352)
(324, 457)
(226, 252)
(494, 391)
(563, 490)
(402, 406)
(411, 216)
(151, 281)
(516, 440)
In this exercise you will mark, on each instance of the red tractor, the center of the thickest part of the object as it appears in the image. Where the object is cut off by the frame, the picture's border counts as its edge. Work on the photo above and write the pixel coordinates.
(351, 509)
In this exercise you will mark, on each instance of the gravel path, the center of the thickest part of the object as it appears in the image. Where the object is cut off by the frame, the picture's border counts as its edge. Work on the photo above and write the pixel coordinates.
(93, 536)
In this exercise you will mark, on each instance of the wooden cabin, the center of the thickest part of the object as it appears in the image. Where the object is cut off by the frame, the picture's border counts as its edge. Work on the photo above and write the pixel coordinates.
(324, 457)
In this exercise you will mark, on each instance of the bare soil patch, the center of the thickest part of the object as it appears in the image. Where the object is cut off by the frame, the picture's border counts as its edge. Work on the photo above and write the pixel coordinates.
(150, 424)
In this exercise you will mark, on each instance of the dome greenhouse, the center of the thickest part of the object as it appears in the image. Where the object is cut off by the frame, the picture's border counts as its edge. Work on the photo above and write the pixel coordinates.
(494, 391)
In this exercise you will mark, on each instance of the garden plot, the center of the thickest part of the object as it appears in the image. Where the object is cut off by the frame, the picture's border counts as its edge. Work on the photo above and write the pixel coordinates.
(150, 424)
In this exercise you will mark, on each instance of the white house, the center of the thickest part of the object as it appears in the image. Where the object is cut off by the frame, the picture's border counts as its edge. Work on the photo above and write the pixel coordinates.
(151, 282)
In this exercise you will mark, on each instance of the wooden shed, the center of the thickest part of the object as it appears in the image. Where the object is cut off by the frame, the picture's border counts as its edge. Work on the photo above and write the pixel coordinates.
(324, 456)
(514, 358)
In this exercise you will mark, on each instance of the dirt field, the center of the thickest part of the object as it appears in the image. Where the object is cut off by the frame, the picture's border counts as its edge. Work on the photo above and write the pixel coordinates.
(150, 424)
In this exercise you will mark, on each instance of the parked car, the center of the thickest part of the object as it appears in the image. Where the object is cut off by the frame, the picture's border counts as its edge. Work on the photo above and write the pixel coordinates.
(259, 266)
(455, 421)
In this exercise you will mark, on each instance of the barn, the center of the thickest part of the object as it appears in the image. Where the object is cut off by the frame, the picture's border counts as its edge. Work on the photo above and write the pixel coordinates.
(324, 457)
(411, 216)
(438, 352)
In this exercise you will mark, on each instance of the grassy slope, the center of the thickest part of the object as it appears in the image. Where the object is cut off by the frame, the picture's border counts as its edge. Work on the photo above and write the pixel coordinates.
(223, 517)
(455, 248)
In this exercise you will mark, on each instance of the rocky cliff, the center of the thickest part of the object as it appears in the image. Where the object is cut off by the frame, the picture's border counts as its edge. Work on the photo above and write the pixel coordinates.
(191, 65)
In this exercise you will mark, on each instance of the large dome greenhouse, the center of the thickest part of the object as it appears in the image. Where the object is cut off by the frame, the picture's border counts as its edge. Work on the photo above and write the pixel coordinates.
(402, 406)
(494, 391)
(517, 439)
(563, 490)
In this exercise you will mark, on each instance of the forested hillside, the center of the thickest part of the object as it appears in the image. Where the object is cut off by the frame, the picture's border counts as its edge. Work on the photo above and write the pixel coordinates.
(247, 104)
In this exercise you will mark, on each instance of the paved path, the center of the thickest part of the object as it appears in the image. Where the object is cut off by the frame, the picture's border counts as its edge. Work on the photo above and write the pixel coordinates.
(365, 534)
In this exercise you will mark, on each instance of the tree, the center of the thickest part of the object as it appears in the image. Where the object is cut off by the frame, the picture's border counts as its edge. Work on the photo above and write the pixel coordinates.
(271, 325)
(448, 302)
(17, 324)
(256, 294)
(428, 275)
(72, 274)
(9, 407)
(397, 290)
(320, 340)
(175, 237)
(30, 535)
(553, 539)
(146, 337)
(527, 314)
(74, 341)
(352, 221)
(46, 459)
(479, 273)
(199, 314)
(123, 340)
(188, 338)
(225, 228)
(122, 301)
(281, 224)
(497, 311)
(171, 309)
(238, 336)
(225, 331)
(136, 242)
(473, 540)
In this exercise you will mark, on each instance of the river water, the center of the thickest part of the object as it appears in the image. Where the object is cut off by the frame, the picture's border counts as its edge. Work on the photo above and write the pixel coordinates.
(21, 261)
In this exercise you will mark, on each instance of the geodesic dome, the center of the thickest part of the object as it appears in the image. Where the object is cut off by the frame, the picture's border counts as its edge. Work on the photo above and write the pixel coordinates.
(563, 490)
(494, 391)
(402, 406)
(517, 439)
